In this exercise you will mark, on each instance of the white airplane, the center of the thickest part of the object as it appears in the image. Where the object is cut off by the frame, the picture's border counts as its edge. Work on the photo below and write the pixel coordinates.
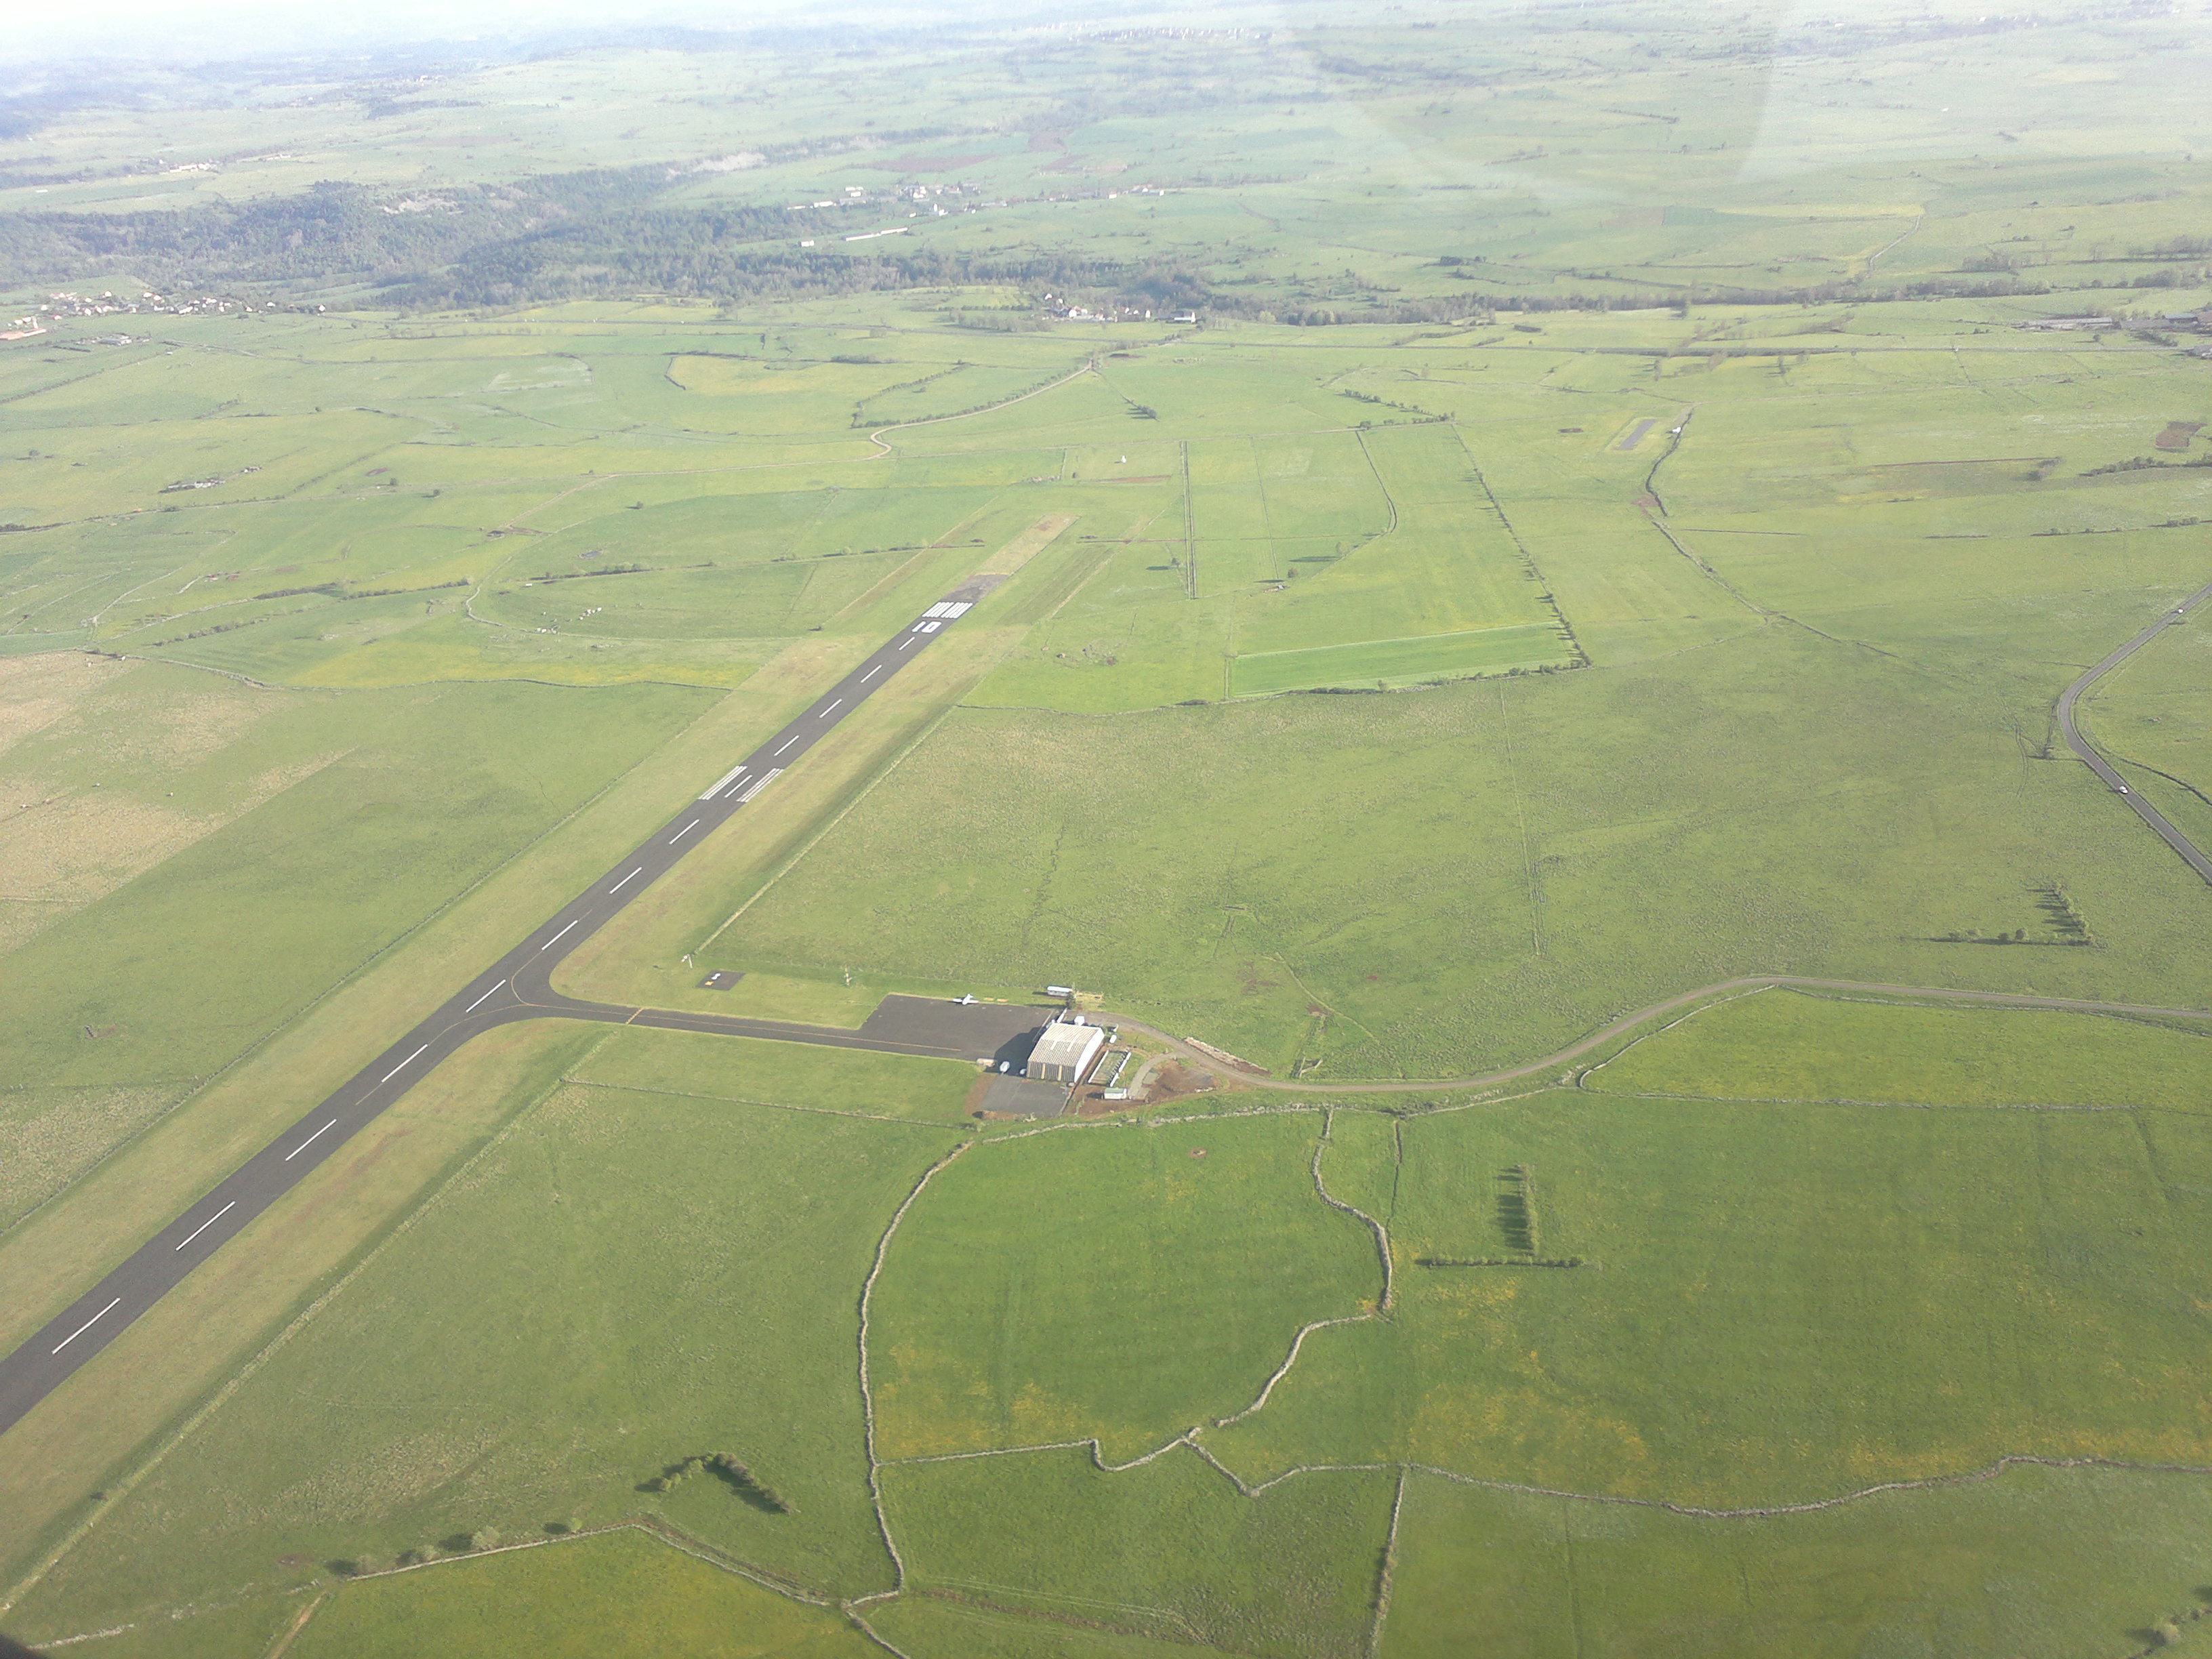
(965, 1000)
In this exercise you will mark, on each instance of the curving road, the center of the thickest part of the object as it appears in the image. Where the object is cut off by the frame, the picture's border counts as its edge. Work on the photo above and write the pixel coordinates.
(2081, 745)
(516, 987)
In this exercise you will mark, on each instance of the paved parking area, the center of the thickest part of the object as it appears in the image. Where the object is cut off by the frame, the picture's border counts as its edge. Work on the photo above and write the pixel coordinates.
(1002, 1032)
(1017, 1097)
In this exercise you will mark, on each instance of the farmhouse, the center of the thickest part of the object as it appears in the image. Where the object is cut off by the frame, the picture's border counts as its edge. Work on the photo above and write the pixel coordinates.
(1064, 1051)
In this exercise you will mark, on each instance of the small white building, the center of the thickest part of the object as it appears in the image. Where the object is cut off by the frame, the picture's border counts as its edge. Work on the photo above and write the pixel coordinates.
(1065, 1050)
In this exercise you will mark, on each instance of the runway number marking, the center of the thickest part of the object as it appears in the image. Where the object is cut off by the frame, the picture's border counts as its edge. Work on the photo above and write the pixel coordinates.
(204, 1226)
(88, 1325)
(626, 880)
(471, 1008)
(332, 1124)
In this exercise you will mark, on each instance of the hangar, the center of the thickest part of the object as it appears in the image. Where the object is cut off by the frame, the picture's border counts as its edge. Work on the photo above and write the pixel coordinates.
(1064, 1051)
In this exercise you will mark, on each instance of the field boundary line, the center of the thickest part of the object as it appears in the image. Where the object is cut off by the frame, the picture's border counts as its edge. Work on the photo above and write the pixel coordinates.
(122, 1486)
(1388, 1573)
(867, 1393)
(1089, 366)
(1380, 1313)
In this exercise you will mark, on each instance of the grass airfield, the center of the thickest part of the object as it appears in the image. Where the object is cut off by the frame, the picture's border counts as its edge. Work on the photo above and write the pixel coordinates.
(1382, 700)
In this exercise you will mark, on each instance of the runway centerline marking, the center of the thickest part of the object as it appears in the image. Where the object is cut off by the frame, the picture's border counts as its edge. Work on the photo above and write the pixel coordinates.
(626, 880)
(402, 1065)
(908, 640)
(826, 712)
(547, 945)
(203, 1227)
(787, 742)
(673, 840)
(871, 673)
(471, 1008)
(318, 1135)
(88, 1325)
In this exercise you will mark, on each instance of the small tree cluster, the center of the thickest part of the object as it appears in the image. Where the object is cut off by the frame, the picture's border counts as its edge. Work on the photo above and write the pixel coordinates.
(727, 1468)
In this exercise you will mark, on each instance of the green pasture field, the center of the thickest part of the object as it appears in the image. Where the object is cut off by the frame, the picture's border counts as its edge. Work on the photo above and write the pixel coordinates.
(1786, 1045)
(722, 1245)
(335, 644)
(612, 1594)
(1389, 664)
(743, 1071)
(1120, 1272)
(1919, 1294)
(2037, 1562)
(1169, 1550)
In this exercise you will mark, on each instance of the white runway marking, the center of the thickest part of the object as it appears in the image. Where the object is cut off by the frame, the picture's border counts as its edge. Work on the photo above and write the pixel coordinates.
(871, 673)
(549, 944)
(673, 840)
(471, 1008)
(737, 778)
(715, 787)
(204, 1225)
(88, 1325)
(332, 1124)
(826, 712)
(787, 742)
(759, 784)
(394, 1072)
(941, 608)
(908, 640)
(625, 881)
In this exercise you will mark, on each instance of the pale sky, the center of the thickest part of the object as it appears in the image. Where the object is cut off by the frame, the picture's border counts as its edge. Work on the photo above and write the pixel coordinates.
(182, 31)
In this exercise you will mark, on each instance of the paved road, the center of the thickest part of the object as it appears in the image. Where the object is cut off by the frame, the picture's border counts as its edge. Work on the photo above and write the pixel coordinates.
(2103, 768)
(516, 987)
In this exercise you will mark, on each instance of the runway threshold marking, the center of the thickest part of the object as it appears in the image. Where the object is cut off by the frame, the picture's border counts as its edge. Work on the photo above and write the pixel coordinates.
(332, 1124)
(203, 1227)
(626, 880)
(715, 788)
(88, 1325)
(471, 1008)
(395, 1072)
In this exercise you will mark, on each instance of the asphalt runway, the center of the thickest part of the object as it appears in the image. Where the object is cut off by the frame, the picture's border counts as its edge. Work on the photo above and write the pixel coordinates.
(518, 987)
(2190, 851)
